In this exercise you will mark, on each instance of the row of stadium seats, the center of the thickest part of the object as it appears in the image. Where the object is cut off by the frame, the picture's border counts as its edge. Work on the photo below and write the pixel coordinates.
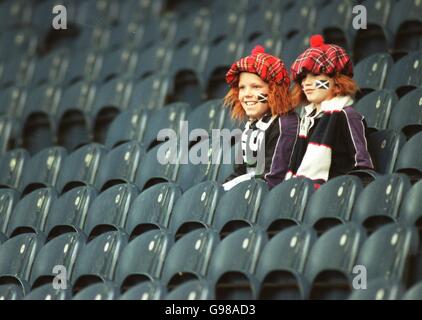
(294, 264)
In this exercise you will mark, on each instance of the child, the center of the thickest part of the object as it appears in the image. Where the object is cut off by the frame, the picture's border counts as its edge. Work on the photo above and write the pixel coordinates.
(260, 93)
(332, 138)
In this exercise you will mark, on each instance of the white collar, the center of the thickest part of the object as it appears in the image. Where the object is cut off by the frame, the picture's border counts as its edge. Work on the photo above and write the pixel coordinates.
(335, 104)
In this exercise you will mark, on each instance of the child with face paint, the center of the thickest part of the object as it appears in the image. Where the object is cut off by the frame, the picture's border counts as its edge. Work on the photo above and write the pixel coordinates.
(332, 138)
(260, 94)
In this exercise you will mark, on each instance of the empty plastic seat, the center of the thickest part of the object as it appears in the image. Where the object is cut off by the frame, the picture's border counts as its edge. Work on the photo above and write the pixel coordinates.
(11, 291)
(376, 37)
(117, 62)
(207, 116)
(143, 258)
(414, 293)
(120, 165)
(152, 60)
(282, 264)
(411, 207)
(47, 292)
(150, 92)
(300, 16)
(49, 162)
(16, 258)
(407, 114)
(57, 257)
(110, 209)
(405, 75)
(31, 212)
(149, 290)
(234, 262)
(195, 208)
(160, 164)
(285, 204)
(11, 167)
(387, 252)
(370, 73)
(12, 100)
(85, 64)
(8, 134)
(376, 108)
(409, 160)
(331, 261)
(192, 290)
(69, 211)
(240, 206)
(379, 289)
(99, 291)
(81, 167)
(380, 201)
(128, 125)
(199, 246)
(168, 118)
(152, 208)
(333, 202)
(8, 200)
(97, 260)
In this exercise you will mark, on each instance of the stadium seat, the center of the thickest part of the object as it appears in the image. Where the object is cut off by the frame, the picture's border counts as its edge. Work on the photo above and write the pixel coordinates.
(31, 212)
(195, 208)
(120, 165)
(152, 208)
(411, 207)
(376, 37)
(8, 200)
(12, 164)
(332, 203)
(404, 76)
(97, 260)
(294, 46)
(168, 118)
(69, 211)
(285, 205)
(407, 114)
(394, 245)
(379, 289)
(111, 97)
(282, 263)
(11, 291)
(409, 160)
(160, 164)
(128, 125)
(239, 206)
(153, 246)
(301, 16)
(16, 258)
(414, 293)
(117, 62)
(85, 64)
(405, 23)
(380, 201)
(152, 60)
(9, 135)
(331, 261)
(12, 101)
(47, 292)
(50, 68)
(199, 246)
(376, 108)
(371, 72)
(234, 262)
(48, 162)
(81, 167)
(60, 251)
(98, 291)
(110, 209)
(149, 290)
(192, 290)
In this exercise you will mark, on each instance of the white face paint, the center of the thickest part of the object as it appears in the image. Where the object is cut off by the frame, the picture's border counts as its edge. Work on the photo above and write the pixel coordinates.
(253, 95)
(318, 88)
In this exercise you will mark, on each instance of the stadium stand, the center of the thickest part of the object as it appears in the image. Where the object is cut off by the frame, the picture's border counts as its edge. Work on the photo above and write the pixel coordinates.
(81, 186)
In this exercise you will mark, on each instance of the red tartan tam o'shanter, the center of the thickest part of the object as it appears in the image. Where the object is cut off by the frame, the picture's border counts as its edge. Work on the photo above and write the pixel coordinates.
(267, 67)
(322, 58)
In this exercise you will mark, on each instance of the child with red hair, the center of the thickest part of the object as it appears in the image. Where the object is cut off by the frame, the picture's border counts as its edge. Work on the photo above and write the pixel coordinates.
(259, 93)
(332, 138)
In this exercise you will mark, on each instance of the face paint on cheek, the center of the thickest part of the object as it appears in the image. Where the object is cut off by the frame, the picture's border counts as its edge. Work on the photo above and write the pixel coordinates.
(322, 84)
(262, 97)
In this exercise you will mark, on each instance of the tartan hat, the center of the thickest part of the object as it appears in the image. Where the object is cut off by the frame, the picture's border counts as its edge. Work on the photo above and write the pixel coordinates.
(322, 58)
(266, 66)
